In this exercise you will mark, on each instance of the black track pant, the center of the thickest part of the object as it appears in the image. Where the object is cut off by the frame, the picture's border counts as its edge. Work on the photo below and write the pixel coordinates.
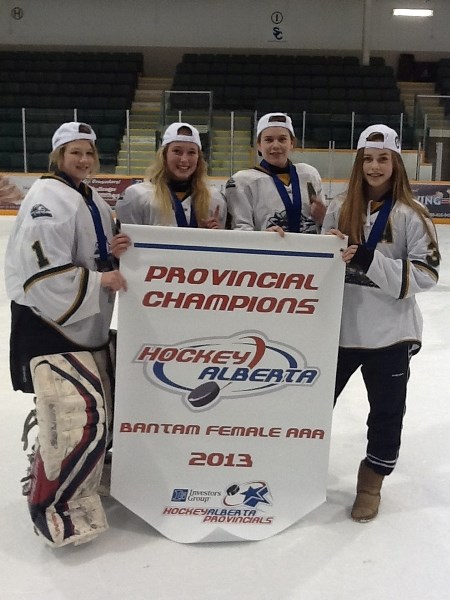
(385, 373)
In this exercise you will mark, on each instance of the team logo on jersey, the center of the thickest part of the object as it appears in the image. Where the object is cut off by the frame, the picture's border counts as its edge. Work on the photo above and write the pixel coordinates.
(39, 210)
(230, 184)
(433, 255)
(279, 219)
(354, 275)
(203, 371)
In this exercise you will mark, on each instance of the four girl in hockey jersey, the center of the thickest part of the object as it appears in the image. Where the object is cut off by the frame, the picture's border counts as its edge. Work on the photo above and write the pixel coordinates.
(63, 276)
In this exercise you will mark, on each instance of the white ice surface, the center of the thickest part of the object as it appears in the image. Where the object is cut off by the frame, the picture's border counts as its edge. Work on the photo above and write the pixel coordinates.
(404, 554)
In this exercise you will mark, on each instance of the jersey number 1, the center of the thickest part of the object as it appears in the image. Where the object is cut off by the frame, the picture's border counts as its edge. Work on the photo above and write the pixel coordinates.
(42, 259)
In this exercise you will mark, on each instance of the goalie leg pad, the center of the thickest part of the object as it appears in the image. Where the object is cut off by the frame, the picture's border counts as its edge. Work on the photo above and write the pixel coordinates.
(69, 452)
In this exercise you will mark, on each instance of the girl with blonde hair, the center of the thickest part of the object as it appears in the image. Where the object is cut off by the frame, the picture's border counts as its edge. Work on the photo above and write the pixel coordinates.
(175, 192)
(61, 279)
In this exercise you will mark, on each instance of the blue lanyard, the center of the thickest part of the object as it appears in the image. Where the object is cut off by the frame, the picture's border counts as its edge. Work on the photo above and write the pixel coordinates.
(97, 219)
(380, 223)
(180, 215)
(293, 207)
(86, 192)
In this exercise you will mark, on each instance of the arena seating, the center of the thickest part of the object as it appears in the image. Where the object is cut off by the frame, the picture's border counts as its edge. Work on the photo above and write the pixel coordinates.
(328, 87)
(50, 86)
(443, 82)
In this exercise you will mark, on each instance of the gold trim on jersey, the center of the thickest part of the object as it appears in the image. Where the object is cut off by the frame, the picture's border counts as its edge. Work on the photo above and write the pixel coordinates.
(78, 300)
(47, 273)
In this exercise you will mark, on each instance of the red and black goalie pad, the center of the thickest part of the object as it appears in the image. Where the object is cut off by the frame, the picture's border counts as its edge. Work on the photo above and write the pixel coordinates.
(66, 470)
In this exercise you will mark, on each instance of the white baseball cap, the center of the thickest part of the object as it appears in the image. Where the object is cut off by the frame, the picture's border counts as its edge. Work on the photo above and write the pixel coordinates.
(274, 120)
(69, 132)
(171, 135)
(390, 140)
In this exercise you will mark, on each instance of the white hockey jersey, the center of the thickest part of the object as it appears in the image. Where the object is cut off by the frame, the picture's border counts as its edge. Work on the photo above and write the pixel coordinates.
(139, 206)
(50, 262)
(379, 308)
(255, 204)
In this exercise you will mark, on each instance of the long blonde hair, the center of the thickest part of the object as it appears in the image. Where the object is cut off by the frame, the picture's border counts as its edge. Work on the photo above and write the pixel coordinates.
(158, 174)
(352, 214)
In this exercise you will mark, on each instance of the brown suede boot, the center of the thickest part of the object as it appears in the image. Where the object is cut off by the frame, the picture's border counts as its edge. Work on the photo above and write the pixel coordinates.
(367, 501)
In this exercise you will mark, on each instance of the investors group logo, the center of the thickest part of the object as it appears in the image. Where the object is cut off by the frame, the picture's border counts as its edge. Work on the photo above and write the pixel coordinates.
(204, 371)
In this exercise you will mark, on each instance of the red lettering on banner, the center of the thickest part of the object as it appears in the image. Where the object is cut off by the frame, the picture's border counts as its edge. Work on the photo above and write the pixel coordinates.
(148, 353)
(222, 430)
(239, 431)
(216, 302)
(192, 355)
(169, 428)
(262, 283)
(176, 274)
(246, 520)
(305, 307)
(266, 304)
(305, 433)
(156, 273)
(219, 277)
(197, 276)
(174, 510)
(238, 302)
(215, 277)
(186, 355)
(195, 301)
(152, 298)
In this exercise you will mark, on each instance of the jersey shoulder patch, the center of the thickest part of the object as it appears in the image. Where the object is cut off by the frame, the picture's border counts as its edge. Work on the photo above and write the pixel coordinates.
(39, 210)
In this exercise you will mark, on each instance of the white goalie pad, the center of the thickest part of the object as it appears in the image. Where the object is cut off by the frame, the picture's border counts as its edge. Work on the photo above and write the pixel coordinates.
(70, 448)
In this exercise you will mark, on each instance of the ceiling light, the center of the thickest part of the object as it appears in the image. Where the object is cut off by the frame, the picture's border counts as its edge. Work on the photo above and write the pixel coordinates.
(412, 12)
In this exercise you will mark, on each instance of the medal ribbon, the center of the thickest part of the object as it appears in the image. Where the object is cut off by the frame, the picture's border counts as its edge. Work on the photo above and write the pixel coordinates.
(180, 215)
(380, 223)
(293, 206)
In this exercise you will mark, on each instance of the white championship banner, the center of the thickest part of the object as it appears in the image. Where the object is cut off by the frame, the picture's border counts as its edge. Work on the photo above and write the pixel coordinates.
(226, 360)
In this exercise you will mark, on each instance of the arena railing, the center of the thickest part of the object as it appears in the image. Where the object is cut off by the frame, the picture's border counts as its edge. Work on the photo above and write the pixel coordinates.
(25, 138)
(432, 126)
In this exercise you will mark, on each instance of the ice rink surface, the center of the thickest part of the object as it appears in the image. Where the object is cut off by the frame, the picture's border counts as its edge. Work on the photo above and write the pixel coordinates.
(404, 554)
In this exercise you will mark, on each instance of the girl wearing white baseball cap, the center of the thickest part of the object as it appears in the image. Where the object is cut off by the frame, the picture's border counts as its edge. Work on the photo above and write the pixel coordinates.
(175, 192)
(61, 278)
(392, 255)
(276, 195)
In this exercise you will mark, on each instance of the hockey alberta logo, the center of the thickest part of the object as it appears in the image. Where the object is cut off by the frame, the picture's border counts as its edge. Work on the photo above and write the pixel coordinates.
(204, 371)
(253, 494)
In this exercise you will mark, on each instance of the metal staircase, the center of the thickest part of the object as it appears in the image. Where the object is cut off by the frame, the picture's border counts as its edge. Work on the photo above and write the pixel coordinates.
(428, 105)
(144, 121)
(431, 125)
